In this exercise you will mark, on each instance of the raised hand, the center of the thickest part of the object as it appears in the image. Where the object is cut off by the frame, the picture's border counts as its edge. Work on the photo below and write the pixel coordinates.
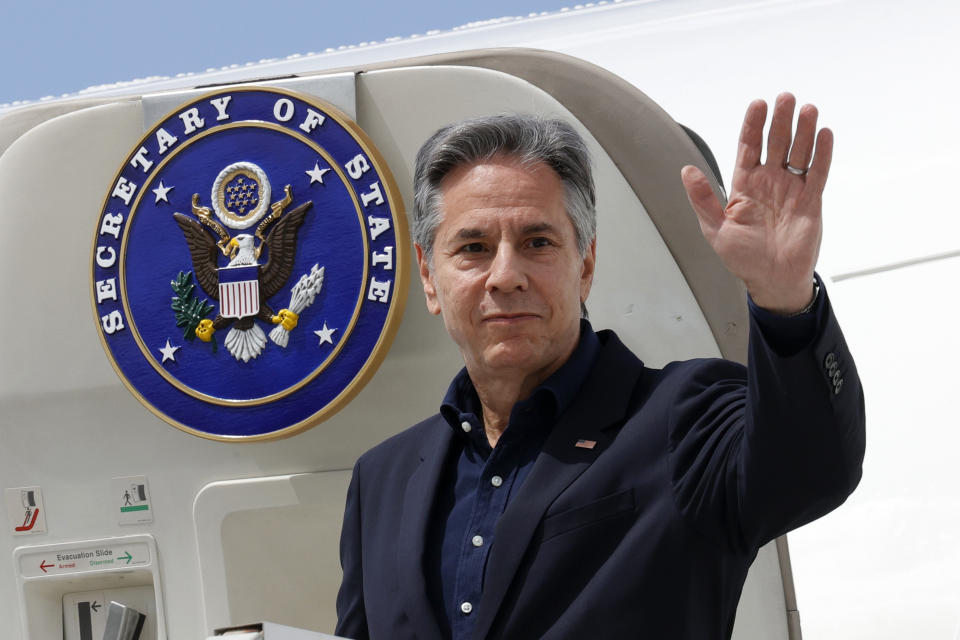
(769, 233)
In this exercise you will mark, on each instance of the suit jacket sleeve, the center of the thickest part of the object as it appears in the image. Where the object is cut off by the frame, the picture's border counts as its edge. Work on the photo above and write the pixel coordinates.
(351, 613)
(756, 453)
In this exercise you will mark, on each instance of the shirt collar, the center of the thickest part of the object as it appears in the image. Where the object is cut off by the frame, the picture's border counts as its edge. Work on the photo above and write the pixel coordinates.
(552, 397)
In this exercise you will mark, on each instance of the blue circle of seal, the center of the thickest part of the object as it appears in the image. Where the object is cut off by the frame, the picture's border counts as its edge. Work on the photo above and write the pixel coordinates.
(250, 264)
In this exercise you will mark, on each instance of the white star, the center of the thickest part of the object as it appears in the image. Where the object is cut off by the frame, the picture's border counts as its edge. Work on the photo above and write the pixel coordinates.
(168, 352)
(161, 192)
(316, 175)
(325, 335)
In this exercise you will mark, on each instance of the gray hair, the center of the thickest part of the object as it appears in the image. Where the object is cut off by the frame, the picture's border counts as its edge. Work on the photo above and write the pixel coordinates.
(528, 138)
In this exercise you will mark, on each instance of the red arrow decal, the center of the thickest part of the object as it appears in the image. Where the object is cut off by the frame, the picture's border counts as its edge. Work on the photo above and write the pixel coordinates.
(45, 566)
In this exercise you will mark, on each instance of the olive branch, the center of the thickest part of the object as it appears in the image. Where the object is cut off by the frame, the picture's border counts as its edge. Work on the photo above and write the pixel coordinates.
(188, 309)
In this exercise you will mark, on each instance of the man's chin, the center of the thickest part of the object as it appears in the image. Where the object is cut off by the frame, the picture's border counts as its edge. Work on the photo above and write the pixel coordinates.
(520, 352)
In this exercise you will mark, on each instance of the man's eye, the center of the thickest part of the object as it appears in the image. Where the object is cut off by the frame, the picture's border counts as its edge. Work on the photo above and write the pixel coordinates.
(539, 243)
(473, 247)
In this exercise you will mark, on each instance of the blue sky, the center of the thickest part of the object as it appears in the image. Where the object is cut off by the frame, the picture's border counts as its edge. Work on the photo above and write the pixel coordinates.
(51, 48)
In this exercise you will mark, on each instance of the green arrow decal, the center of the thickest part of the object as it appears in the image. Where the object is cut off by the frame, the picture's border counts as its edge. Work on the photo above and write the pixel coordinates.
(126, 557)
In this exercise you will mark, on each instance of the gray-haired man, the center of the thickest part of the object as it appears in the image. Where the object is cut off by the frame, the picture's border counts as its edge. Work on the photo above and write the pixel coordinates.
(564, 489)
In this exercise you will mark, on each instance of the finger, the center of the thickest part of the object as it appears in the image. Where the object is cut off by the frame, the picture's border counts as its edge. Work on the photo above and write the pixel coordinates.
(751, 135)
(803, 140)
(781, 130)
(817, 176)
(702, 198)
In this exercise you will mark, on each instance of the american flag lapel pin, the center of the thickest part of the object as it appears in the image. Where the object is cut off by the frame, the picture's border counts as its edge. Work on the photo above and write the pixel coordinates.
(586, 444)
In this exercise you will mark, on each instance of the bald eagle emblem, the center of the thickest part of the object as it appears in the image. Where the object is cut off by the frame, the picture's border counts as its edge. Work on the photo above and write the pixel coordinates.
(240, 199)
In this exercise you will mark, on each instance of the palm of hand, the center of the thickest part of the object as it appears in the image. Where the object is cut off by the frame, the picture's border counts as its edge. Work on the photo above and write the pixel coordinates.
(769, 232)
(770, 229)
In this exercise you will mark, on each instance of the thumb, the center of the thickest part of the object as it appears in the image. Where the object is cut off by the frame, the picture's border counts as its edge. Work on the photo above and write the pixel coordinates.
(702, 198)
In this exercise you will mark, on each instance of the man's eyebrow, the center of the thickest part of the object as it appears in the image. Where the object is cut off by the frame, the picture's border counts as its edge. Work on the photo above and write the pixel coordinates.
(538, 227)
(469, 233)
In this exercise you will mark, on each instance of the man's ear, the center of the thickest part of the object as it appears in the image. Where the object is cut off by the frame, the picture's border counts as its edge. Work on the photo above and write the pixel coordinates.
(426, 279)
(587, 269)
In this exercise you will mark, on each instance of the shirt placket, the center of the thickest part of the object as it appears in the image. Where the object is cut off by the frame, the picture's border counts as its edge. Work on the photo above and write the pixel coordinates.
(496, 480)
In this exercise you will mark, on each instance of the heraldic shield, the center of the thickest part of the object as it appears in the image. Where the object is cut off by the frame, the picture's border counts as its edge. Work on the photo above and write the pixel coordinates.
(241, 313)
(239, 291)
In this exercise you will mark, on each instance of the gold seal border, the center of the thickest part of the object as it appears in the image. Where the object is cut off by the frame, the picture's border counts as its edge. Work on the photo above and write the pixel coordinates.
(144, 190)
(401, 279)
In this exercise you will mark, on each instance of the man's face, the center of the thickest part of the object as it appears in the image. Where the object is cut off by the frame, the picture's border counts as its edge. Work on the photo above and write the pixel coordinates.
(507, 276)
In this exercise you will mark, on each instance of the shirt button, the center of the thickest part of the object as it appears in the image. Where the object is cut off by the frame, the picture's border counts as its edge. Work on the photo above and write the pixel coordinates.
(466, 428)
(496, 481)
(466, 607)
(477, 541)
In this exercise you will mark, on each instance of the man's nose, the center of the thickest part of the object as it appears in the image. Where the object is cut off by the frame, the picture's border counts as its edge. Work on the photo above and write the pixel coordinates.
(506, 271)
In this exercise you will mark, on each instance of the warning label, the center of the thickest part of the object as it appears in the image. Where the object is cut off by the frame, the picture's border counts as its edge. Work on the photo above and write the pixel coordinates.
(132, 497)
(73, 560)
(25, 511)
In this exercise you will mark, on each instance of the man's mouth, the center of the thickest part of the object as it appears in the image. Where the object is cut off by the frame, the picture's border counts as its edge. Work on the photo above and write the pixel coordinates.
(509, 317)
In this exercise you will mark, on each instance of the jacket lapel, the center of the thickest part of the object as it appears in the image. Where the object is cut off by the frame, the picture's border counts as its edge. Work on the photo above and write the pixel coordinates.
(601, 402)
(417, 504)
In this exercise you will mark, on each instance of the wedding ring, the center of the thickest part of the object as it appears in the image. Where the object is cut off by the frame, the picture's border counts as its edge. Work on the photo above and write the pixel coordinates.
(794, 170)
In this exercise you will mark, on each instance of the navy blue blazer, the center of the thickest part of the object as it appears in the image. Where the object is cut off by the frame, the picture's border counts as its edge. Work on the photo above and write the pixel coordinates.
(650, 533)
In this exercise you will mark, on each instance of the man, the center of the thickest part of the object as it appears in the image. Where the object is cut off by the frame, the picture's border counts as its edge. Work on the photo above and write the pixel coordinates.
(565, 490)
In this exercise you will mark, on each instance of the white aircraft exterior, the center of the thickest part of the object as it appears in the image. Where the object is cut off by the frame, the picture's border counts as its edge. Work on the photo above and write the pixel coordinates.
(246, 531)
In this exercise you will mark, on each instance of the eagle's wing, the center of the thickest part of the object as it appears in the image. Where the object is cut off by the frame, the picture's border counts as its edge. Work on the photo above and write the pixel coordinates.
(282, 245)
(203, 252)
